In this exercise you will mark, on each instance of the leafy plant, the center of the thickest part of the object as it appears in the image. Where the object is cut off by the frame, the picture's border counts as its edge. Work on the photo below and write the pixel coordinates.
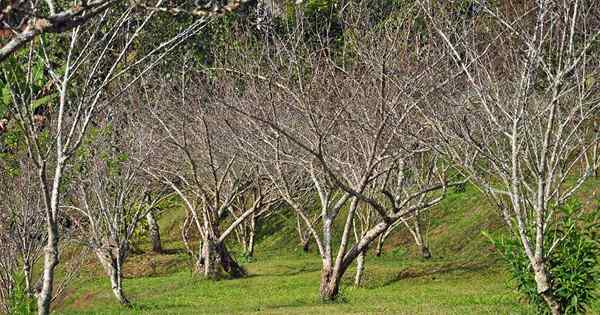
(20, 301)
(573, 250)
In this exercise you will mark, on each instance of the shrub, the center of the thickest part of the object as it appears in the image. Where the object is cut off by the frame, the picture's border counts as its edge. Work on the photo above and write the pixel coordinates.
(573, 250)
(20, 301)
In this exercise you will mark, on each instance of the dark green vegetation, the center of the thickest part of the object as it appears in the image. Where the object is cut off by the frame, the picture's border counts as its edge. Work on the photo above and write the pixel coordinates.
(465, 276)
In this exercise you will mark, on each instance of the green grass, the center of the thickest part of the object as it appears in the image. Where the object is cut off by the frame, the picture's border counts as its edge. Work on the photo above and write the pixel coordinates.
(289, 285)
(464, 277)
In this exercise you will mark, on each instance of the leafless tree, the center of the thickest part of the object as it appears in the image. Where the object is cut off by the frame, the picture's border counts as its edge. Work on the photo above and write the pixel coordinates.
(341, 125)
(246, 230)
(22, 233)
(518, 121)
(113, 193)
(55, 120)
(203, 168)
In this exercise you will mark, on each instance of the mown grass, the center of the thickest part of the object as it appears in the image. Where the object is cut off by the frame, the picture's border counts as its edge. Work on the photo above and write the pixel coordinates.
(465, 276)
(289, 285)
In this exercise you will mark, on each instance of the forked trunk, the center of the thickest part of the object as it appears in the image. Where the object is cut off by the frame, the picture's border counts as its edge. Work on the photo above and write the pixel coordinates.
(329, 285)
(217, 261)
(116, 282)
(113, 266)
(210, 260)
(360, 268)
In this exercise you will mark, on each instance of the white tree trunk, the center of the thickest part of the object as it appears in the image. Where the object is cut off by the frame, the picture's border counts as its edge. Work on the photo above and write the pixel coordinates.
(51, 260)
(113, 266)
(360, 268)
(154, 233)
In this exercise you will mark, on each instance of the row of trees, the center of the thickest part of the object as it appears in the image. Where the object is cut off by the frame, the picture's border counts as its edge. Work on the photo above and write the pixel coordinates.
(344, 112)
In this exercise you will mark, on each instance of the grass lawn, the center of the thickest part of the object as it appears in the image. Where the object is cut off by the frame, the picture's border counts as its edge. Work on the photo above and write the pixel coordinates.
(289, 285)
(464, 277)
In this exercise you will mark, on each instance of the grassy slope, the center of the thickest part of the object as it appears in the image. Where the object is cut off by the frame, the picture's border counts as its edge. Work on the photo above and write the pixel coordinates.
(464, 277)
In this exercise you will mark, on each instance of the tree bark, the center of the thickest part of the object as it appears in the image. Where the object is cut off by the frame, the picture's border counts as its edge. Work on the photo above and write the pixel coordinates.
(329, 289)
(425, 252)
(360, 267)
(154, 233)
(113, 266)
(306, 245)
(544, 288)
(51, 260)
(217, 260)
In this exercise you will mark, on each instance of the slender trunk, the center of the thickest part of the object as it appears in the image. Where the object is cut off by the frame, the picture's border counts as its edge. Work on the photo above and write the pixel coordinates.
(379, 248)
(27, 273)
(50, 263)
(544, 288)
(251, 236)
(116, 281)
(113, 266)
(360, 267)
(154, 233)
(304, 238)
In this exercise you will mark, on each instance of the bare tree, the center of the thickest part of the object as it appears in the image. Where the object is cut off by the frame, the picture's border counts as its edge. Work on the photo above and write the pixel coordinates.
(22, 233)
(519, 119)
(246, 230)
(54, 116)
(343, 126)
(112, 193)
(203, 168)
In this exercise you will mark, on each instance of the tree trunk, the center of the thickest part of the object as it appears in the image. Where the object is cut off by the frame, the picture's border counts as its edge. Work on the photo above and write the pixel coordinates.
(216, 260)
(329, 289)
(544, 289)
(210, 260)
(116, 282)
(360, 267)
(329, 285)
(306, 245)
(379, 248)
(154, 233)
(228, 263)
(28, 277)
(251, 237)
(50, 262)
(113, 266)
(425, 252)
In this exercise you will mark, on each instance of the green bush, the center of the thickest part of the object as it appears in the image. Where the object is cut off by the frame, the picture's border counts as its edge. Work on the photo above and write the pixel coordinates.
(19, 301)
(572, 262)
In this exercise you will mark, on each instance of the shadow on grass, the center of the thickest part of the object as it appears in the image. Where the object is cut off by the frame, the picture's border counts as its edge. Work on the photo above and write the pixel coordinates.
(415, 272)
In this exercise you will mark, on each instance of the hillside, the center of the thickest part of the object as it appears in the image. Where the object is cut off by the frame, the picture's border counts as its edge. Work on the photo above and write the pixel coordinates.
(465, 275)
